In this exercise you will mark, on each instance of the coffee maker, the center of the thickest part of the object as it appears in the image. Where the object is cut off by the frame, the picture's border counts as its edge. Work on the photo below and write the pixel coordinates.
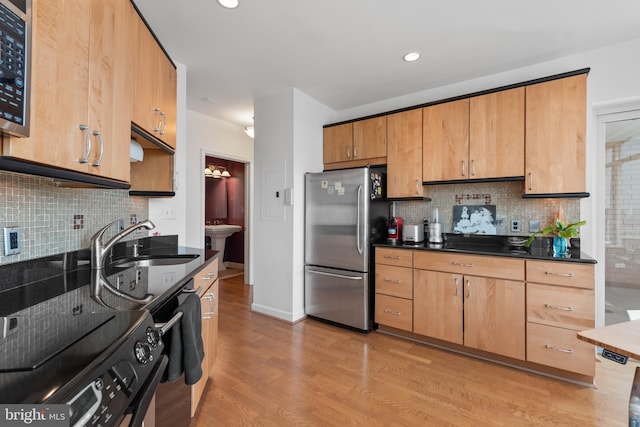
(395, 225)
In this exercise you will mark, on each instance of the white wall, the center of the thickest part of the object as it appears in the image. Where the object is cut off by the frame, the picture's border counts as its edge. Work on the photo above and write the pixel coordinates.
(288, 144)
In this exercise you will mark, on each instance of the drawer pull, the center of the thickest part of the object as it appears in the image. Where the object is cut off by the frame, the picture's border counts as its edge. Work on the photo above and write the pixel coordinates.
(468, 288)
(395, 313)
(550, 273)
(461, 264)
(558, 307)
(456, 285)
(392, 256)
(392, 281)
(561, 350)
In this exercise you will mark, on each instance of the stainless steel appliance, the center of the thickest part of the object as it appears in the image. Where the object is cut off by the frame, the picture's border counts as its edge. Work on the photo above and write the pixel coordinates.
(413, 233)
(15, 54)
(345, 213)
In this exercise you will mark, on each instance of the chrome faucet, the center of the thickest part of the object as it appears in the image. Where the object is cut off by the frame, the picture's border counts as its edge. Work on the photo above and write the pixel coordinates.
(99, 250)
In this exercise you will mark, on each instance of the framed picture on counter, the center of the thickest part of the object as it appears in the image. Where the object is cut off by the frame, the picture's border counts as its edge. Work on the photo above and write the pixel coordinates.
(474, 219)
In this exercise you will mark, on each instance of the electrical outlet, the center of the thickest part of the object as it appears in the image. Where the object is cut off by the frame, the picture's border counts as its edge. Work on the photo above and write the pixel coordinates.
(12, 240)
(168, 279)
(515, 225)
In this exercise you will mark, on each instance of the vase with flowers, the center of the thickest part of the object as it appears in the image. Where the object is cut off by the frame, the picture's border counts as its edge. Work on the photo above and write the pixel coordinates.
(561, 231)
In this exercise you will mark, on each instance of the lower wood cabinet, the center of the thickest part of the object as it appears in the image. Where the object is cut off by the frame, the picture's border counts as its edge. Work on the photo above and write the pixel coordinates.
(206, 282)
(524, 310)
(560, 303)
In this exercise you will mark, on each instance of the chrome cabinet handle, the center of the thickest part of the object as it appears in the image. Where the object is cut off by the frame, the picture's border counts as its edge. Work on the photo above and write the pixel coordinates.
(163, 118)
(348, 152)
(355, 151)
(417, 188)
(473, 168)
(530, 181)
(392, 256)
(98, 135)
(398, 281)
(561, 350)
(558, 307)
(158, 112)
(457, 281)
(550, 273)
(207, 315)
(395, 313)
(85, 159)
(464, 172)
(461, 264)
(468, 288)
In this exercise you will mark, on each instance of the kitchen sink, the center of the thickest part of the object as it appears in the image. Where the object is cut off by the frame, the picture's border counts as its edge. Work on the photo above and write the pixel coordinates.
(154, 260)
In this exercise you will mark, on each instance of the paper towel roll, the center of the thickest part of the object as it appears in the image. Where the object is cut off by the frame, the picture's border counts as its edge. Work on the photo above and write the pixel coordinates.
(136, 153)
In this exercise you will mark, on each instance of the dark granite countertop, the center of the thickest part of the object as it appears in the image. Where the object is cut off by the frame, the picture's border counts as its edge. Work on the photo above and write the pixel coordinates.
(541, 249)
(61, 283)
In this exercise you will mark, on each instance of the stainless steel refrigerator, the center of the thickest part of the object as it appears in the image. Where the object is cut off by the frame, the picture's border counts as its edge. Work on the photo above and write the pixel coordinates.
(345, 213)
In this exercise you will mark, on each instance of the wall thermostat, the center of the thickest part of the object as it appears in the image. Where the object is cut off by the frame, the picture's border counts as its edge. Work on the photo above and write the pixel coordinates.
(12, 240)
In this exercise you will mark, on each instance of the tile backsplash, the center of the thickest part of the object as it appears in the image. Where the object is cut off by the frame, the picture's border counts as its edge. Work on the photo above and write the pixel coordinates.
(55, 219)
(506, 196)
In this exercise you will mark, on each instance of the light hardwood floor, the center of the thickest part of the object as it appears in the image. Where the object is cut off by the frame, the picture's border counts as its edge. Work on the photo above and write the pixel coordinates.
(271, 373)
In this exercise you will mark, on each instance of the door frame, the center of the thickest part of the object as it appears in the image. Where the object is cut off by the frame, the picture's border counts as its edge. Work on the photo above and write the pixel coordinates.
(248, 167)
(605, 112)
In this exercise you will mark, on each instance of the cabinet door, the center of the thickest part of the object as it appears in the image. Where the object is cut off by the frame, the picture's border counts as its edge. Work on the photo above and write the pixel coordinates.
(404, 154)
(445, 147)
(494, 316)
(145, 79)
(496, 134)
(59, 86)
(370, 138)
(213, 326)
(437, 305)
(338, 141)
(110, 87)
(555, 136)
(198, 388)
(167, 87)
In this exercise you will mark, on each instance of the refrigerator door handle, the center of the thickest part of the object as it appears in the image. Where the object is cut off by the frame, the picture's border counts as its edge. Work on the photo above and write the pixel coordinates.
(358, 237)
(340, 276)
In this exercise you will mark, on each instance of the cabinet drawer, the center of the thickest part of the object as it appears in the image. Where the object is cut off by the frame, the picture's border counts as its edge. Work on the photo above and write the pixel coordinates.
(561, 273)
(394, 312)
(477, 265)
(394, 281)
(205, 277)
(397, 257)
(562, 307)
(560, 348)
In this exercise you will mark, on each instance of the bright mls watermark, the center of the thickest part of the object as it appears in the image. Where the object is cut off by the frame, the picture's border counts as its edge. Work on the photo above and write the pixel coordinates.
(34, 415)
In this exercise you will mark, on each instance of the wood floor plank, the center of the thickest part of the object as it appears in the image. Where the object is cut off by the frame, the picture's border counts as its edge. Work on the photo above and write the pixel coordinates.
(272, 373)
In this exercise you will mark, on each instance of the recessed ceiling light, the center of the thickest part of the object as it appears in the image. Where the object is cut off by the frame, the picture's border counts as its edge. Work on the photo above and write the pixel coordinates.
(411, 56)
(229, 4)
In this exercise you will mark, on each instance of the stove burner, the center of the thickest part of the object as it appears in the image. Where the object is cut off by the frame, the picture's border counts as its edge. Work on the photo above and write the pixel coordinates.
(30, 341)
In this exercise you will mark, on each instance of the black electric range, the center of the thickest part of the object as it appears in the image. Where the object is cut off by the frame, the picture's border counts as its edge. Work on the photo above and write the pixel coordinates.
(59, 344)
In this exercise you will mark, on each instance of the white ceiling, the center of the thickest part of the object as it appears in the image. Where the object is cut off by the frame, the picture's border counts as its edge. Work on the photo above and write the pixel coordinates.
(346, 53)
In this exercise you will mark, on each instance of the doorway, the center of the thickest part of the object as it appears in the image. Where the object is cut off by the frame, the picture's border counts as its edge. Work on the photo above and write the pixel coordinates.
(622, 217)
(225, 213)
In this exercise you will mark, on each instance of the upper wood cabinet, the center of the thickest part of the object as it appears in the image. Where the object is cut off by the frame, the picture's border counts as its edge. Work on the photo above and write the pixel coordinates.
(404, 154)
(445, 136)
(496, 134)
(338, 142)
(555, 136)
(154, 101)
(81, 88)
(356, 144)
(477, 138)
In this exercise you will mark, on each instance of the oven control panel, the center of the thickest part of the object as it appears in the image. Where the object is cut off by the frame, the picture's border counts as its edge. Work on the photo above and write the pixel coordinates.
(115, 386)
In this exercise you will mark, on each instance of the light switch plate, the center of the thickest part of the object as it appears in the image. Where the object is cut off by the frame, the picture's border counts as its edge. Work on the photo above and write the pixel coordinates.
(534, 225)
(12, 240)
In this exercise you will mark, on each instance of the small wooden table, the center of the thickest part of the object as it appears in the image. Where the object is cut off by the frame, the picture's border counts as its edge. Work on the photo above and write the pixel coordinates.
(621, 338)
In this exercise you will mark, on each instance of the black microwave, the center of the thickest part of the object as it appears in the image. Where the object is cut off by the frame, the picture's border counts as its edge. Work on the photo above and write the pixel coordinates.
(15, 66)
